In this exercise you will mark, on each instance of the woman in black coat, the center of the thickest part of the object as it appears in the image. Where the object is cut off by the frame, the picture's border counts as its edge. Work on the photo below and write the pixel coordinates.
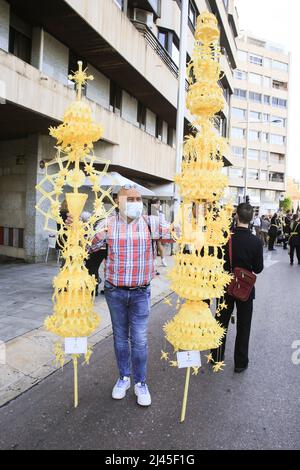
(294, 240)
(273, 230)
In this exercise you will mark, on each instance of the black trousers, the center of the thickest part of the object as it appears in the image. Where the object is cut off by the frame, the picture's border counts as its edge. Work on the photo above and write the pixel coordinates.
(244, 317)
(294, 248)
(93, 264)
(272, 239)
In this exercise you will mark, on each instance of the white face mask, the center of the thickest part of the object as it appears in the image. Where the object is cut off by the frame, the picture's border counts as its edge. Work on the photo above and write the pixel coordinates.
(133, 210)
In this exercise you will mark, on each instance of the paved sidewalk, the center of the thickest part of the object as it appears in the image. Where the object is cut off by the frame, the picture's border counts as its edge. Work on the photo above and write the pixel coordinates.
(255, 410)
(26, 292)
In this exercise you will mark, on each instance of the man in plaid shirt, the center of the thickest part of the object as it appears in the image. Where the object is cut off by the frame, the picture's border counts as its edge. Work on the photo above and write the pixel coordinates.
(129, 269)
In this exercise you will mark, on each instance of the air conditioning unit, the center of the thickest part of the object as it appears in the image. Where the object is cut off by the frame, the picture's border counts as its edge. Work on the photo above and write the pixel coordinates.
(143, 16)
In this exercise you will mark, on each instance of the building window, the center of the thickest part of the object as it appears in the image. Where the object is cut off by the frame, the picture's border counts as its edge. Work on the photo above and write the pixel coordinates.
(163, 38)
(253, 154)
(240, 75)
(264, 137)
(192, 14)
(270, 195)
(239, 113)
(263, 156)
(279, 85)
(276, 177)
(243, 56)
(255, 78)
(256, 59)
(237, 133)
(255, 116)
(159, 128)
(277, 139)
(253, 174)
(170, 41)
(241, 94)
(263, 175)
(238, 152)
(267, 99)
(277, 158)
(170, 135)
(254, 136)
(115, 98)
(279, 102)
(278, 121)
(256, 97)
(236, 172)
(266, 117)
(267, 63)
(141, 116)
(254, 193)
(277, 65)
(267, 82)
(120, 3)
(20, 44)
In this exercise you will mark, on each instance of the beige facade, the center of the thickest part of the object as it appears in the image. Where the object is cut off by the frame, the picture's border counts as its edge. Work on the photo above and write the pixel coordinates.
(259, 123)
(132, 49)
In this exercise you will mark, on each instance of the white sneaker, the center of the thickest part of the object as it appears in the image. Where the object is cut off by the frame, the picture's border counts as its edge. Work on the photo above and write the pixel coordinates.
(120, 389)
(142, 392)
(164, 263)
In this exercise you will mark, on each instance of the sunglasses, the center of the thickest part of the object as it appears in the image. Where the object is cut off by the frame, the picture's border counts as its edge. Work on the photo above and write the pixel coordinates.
(129, 186)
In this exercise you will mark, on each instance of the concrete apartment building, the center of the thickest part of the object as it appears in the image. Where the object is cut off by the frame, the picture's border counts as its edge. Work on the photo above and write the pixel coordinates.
(132, 49)
(259, 123)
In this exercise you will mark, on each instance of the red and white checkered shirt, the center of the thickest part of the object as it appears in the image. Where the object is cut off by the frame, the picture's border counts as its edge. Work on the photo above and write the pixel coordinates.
(130, 259)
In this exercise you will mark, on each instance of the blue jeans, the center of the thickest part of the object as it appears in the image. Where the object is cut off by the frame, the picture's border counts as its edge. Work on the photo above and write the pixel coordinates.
(129, 311)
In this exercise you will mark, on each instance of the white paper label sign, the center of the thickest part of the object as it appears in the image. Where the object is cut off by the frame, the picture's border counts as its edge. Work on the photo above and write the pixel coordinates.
(76, 345)
(188, 359)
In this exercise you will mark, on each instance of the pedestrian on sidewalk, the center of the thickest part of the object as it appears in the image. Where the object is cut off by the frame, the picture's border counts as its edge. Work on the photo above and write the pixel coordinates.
(265, 225)
(286, 229)
(273, 231)
(130, 237)
(294, 239)
(247, 253)
(157, 211)
(257, 224)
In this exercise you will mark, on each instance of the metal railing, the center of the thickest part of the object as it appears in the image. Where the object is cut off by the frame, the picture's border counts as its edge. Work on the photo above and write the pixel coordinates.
(156, 46)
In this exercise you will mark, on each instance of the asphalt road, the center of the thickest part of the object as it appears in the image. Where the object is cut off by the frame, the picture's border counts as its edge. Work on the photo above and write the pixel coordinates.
(258, 409)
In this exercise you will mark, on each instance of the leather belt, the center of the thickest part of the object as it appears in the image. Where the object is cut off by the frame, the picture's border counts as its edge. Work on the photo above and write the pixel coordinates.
(129, 287)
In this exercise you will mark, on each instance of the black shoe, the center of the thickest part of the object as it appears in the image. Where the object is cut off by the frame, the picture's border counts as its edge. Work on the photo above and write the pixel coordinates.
(292, 262)
(238, 370)
(102, 292)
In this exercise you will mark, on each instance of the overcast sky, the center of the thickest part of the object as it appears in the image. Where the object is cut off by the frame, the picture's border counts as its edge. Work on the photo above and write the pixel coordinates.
(279, 21)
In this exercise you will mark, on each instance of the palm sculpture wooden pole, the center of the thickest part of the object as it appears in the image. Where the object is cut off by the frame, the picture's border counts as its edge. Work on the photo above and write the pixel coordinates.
(74, 289)
(198, 275)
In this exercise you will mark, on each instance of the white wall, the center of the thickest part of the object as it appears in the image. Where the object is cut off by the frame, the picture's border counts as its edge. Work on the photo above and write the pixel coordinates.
(165, 132)
(150, 122)
(36, 47)
(55, 59)
(12, 183)
(4, 25)
(129, 108)
(98, 89)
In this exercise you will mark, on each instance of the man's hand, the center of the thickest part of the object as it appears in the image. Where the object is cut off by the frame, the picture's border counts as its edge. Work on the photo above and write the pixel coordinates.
(69, 219)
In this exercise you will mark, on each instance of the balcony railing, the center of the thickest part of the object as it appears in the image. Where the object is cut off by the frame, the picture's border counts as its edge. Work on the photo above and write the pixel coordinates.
(159, 49)
(156, 46)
